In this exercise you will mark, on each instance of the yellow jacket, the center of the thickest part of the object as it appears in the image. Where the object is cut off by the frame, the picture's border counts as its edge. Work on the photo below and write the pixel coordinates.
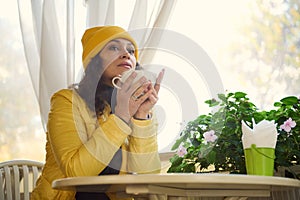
(79, 144)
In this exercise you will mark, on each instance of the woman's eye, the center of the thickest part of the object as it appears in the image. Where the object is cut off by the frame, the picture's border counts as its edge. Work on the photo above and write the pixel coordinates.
(114, 48)
(131, 51)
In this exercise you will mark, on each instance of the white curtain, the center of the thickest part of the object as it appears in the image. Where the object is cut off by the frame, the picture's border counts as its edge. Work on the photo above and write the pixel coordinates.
(49, 48)
(43, 49)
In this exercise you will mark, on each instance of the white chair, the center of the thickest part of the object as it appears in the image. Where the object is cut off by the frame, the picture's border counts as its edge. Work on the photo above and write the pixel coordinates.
(18, 178)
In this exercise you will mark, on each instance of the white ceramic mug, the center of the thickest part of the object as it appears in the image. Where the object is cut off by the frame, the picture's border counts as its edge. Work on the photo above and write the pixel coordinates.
(140, 73)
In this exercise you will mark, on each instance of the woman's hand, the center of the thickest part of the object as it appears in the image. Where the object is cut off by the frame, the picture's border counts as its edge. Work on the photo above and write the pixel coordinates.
(148, 97)
(136, 100)
(126, 104)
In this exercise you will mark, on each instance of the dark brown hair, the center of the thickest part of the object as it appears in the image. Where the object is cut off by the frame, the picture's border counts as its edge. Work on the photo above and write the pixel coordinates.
(91, 87)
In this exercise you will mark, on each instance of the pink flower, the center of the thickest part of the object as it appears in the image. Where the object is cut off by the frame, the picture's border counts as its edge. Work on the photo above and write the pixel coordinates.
(288, 125)
(181, 151)
(210, 136)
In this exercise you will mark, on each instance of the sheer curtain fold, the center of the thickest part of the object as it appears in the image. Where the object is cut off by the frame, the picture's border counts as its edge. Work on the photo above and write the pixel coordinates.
(52, 64)
(30, 35)
(100, 12)
(43, 50)
(50, 56)
(140, 10)
(160, 21)
(70, 44)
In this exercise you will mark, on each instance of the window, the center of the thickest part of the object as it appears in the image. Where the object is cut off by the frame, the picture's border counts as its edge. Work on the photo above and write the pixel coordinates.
(21, 132)
(253, 46)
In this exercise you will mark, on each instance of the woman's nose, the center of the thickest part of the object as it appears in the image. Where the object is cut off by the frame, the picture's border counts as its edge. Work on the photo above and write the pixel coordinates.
(125, 54)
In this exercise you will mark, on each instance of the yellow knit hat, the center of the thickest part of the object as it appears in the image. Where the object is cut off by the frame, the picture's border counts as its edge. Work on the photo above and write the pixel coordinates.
(94, 39)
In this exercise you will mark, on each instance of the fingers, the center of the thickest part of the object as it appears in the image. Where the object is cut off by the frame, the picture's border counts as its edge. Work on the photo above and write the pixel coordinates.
(126, 85)
(146, 92)
(142, 92)
(138, 95)
(159, 80)
(151, 91)
(153, 99)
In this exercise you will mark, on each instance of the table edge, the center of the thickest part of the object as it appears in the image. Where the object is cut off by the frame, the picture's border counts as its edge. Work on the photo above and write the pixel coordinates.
(175, 178)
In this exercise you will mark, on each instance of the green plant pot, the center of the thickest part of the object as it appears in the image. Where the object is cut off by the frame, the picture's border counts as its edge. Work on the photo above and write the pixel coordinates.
(260, 161)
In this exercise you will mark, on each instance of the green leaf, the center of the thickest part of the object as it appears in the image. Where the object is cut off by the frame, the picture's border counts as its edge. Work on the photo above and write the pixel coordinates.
(277, 104)
(291, 100)
(176, 160)
(211, 157)
(177, 143)
(239, 95)
(222, 97)
(212, 102)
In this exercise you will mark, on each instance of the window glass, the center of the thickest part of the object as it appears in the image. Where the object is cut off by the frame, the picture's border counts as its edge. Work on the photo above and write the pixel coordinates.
(253, 45)
(21, 132)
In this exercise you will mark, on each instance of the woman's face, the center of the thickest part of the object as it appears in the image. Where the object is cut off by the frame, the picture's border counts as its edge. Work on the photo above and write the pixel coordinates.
(117, 56)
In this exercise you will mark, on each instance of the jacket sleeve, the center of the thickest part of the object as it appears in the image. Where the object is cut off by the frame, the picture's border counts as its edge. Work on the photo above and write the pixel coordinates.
(79, 149)
(143, 154)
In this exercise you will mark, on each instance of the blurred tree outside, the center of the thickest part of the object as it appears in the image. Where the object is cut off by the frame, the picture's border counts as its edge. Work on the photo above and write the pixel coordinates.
(267, 53)
(21, 132)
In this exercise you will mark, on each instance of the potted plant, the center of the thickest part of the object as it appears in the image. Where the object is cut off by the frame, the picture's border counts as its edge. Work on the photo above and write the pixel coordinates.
(212, 142)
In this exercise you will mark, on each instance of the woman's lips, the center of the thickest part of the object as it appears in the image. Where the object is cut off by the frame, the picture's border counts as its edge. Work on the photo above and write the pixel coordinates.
(125, 65)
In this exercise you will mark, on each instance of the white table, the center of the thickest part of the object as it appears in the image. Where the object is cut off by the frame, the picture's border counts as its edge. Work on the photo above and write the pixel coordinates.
(180, 186)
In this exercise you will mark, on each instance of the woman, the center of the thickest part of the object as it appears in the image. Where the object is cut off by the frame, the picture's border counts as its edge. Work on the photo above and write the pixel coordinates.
(94, 129)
